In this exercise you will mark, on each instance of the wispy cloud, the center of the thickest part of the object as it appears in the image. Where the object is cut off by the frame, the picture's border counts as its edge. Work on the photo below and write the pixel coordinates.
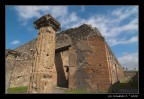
(129, 61)
(124, 13)
(27, 12)
(69, 19)
(111, 25)
(15, 42)
(117, 41)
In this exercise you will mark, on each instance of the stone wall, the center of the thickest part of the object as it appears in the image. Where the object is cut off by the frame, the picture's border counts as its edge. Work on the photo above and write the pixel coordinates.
(91, 63)
(115, 69)
(21, 73)
(88, 68)
(27, 46)
(120, 73)
(90, 71)
(18, 68)
(9, 66)
(62, 40)
(129, 74)
(10, 56)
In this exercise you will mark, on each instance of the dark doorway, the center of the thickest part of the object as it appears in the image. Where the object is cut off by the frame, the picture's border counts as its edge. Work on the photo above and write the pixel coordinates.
(61, 76)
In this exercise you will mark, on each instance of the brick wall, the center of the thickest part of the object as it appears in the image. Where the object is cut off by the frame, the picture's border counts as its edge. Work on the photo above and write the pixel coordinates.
(115, 69)
(90, 60)
(99, 61)
(90, 71)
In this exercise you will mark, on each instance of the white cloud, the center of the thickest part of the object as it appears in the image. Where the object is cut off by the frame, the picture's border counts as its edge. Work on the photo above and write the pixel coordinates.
(110, 25)
(117, 30)
(129, 61)
(116, 41)
(124, 13)
(132, 40)
(72, 17)
(27, 12)
(15, 42)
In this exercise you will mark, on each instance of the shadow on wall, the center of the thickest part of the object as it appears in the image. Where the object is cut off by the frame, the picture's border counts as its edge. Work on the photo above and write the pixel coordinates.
(126, 87)
(80, 80)
(61, 78)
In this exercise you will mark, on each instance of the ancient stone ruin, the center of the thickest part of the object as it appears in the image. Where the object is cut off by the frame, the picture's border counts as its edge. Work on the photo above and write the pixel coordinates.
(42, 71)
(77, 59)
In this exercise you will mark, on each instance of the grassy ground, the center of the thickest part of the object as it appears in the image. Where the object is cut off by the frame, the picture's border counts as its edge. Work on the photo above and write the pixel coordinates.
(22, 89)
(125, 85)
(116, 87)
(78, 92)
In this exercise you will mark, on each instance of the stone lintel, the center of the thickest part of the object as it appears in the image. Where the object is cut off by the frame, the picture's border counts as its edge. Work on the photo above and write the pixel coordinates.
(62, 48)
(47, 20)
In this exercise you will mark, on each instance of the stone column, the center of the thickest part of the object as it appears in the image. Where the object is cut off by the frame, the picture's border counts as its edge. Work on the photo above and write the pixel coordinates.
(41, 78)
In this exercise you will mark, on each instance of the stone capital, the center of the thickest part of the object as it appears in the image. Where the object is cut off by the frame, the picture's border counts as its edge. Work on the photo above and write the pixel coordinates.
(45, 21)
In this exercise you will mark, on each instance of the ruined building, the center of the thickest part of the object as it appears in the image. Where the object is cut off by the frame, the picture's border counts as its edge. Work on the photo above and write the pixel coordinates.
(77, 58)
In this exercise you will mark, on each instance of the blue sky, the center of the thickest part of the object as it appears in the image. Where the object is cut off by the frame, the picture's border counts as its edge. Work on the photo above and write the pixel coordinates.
(118, 24)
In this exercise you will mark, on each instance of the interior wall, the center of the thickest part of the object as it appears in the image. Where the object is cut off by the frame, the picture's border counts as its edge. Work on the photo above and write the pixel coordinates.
(61, 71)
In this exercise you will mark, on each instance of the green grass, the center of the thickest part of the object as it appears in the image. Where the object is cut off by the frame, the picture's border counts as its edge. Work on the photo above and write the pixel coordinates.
(22, 89)
(134, 84)
(78, 92)
(125, 85)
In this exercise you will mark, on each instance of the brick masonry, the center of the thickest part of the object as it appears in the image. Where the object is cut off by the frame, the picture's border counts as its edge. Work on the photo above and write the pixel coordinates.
(88, 64)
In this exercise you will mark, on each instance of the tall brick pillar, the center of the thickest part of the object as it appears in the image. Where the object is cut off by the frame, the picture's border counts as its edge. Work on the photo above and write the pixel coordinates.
(41, 78)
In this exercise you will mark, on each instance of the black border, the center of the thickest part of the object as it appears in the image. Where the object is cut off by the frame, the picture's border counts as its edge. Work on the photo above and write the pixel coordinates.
(68, 2)
(73, 2)
(2, 49)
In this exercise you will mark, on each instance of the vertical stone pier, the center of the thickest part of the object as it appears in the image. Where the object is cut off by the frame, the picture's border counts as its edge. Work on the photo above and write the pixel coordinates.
(41, 78)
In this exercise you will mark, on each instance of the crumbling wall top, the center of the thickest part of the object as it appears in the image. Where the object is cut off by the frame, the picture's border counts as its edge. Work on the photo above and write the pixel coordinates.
(84, 31)
(12, 52)
(47, 20)
(65, 38)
